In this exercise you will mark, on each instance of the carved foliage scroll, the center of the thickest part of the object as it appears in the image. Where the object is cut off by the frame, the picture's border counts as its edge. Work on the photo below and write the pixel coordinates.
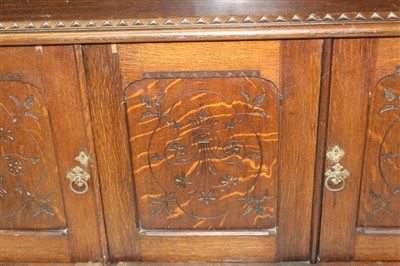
(204, 152)
(29, 189)
(380, 199)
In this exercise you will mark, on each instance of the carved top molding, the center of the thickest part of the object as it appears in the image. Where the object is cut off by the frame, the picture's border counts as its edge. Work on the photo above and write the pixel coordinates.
(195, 22)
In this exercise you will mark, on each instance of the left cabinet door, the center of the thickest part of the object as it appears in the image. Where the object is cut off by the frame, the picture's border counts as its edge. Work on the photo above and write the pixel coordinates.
(44, 140)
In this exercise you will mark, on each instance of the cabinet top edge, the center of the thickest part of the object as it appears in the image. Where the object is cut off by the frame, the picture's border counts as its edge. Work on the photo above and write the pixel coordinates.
(23, 29)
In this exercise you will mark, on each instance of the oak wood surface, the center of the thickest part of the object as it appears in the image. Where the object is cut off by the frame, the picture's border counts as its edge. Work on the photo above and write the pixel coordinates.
(110, 136)
(350, 129)
(53, 71)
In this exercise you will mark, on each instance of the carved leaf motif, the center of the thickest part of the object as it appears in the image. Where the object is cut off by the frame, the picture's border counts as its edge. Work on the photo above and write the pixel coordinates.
(28, 102)
(260, 210)
(47, 199)
(16, 101)
(388, 208)
(259, 100)
(147, 114)
(31, 114)
(48, 210)
(159, 98)
(246, 97)
(146, 101)
(389, 94)
(34, 160)
(37, 211)
(248, 210)
(261, 112)
(377, 207)
(386, 108)
(157, 210)
(396, 191)
(231, 124)
(374, 195)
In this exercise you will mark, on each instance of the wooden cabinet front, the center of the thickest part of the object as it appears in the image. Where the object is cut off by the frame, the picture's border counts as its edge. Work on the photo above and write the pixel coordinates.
(221, 138)
(361, 205)
(43, 138)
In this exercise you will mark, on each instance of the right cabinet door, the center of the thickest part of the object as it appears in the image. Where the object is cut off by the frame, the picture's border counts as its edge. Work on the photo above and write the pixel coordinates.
(361, 198)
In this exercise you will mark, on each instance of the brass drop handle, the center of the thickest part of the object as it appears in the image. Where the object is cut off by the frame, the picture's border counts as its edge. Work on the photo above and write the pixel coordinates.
(336, 175)
(78, 177)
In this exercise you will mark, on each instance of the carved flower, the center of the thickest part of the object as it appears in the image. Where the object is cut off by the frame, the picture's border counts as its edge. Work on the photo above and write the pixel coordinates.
(178, 149)
(6, 135)
(206, 197)
(229, 181)
(181, 181)
(14, 166)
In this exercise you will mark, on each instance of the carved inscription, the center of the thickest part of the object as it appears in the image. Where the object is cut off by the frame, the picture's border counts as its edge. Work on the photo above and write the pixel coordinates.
(205, 151)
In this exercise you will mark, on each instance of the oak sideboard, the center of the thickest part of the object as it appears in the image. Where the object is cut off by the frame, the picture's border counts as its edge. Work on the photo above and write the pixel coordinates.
(200, 131)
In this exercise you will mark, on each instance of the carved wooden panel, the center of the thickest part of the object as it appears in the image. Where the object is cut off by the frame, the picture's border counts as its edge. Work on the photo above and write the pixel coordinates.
(380, 194)
(204, 152)
(30, 195)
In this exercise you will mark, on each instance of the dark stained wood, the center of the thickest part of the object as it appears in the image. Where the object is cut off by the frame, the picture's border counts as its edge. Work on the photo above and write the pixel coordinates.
(321, 148)
(208, 162)
(300, 79)
(359, 127)
(139, 58)
(23, 248)
(110, 136)
(91, 9)
(273, 32)
(377, 247)
(59, 86)
(352, 71)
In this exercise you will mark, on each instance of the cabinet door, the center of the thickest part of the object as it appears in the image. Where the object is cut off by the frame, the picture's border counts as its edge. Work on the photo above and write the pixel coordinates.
(361, 203)
(44, 139)
(221, 138)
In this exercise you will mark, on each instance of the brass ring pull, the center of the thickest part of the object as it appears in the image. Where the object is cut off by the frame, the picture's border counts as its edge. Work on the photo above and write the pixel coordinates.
(336, 175)
(78, 180)
(338, 183)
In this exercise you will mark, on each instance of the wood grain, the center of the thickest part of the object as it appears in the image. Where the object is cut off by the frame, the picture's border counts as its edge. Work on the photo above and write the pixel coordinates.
(377, 247)
(200, 34)
(111, 142)
(300, 79)
(23, 248)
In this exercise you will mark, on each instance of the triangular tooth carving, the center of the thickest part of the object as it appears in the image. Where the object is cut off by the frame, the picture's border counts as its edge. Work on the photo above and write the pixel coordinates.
(75, 24)
(343, 17)
(138, 22)
(263, 19)
(153, 22)
(91, 24)
(248, 20)
(200, 21)
(312, 17)
(45, 25)
(218, 75)
(14, 26)
(231, 20)
(242, 74)
(376, 16)
(181, 75)
(360, 16)
(60, 24)
(30, 25)
(229, 75)
(392, 15)
(185, 21)
(169, 22)
(280, 19)
(1, 26)
(216, 21)
(106, 23)
(146, 76)
(122, 23)
(328, 17)
(296, 18)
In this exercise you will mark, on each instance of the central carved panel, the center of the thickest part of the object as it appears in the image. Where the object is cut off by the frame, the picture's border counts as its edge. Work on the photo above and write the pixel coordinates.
(204, 152)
